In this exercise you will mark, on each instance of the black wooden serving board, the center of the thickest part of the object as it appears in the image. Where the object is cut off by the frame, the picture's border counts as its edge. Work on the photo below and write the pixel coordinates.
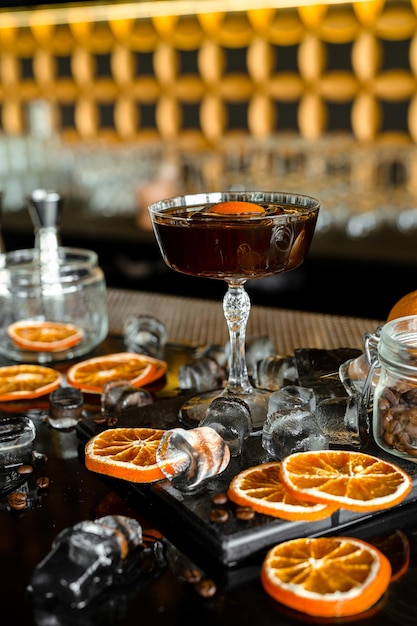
(184, 518)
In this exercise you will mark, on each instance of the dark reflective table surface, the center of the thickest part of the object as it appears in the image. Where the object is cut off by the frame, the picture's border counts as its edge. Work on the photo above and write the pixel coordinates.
(164, 595)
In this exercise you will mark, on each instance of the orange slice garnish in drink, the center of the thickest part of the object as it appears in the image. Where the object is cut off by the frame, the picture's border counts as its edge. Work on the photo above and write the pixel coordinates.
(235, 207)
(44, 336)
(260, 487)
(326, 576)
(92, 374)
(352, 480)
(126, 453)
(24, 382)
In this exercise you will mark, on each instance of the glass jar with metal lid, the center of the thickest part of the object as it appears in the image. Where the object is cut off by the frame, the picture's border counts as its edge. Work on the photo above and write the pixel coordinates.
(395, 395)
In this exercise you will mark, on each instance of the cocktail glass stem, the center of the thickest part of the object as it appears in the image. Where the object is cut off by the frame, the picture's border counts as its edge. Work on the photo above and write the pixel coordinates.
(236, 307)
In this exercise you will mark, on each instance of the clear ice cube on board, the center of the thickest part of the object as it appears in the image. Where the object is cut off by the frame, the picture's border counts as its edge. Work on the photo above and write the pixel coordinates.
(292, 430)
(231, 417)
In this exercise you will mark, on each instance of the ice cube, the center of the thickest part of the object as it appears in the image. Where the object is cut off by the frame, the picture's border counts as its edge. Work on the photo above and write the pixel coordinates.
(215, 351)
(353, 374)
(195, 455)
(231, 418)
(273, 372)
(256, 349)
(65, 407)
(292, 430)
(17, 434)
(118, 395)
(344, 420)
(85, 559)
(145, 334)
(201, 374)
(134, 397)
(319, 369)
(292, 397)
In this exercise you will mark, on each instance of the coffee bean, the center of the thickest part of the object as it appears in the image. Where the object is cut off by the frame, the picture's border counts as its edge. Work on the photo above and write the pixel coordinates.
(192, 575)
(112, 420)
(99, 418)
(17, 500)
(25, 469)
(219, 515)
(397, 414)
(42, 482)
(206, 588)
(410, 397)
(219, 498)
(244, 513)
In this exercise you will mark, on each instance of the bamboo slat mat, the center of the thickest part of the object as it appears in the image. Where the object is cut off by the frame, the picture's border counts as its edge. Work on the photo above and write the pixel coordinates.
(197, 322)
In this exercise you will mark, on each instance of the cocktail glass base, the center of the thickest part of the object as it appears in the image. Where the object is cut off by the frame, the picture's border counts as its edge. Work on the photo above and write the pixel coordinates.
(194, 410)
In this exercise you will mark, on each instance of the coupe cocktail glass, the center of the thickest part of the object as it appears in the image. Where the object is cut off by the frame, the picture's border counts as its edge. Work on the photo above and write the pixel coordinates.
(234, 247)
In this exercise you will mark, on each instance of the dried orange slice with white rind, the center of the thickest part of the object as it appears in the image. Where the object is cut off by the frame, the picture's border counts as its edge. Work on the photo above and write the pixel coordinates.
(126, 453)
(260, 487)
(326, 576)
(92, 374)
(24, 382)
(44, 336)
(355, 481)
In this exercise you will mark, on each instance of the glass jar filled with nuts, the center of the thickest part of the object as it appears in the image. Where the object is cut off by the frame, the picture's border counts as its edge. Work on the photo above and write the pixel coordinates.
(395, 396)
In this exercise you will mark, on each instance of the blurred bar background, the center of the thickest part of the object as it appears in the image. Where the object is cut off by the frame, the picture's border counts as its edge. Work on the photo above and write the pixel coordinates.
(115, 105)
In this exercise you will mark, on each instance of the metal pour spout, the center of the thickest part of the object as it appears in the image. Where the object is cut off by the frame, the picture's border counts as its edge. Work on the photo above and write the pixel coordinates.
(45, 209)
(45, 212)
(2, 246)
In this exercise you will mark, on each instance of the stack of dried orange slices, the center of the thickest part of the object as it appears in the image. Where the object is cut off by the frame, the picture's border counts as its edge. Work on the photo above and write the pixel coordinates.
(312, 485)
(327, 576)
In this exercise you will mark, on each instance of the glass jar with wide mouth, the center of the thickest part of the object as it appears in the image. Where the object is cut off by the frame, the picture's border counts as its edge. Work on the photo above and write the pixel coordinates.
(395, 396)
(68, 290)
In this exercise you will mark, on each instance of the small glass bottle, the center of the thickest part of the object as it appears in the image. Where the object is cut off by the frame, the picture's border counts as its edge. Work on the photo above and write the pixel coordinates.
(395, 396)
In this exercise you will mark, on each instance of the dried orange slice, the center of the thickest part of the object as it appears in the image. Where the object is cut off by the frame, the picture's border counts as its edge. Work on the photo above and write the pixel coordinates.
(326, 576)
(261, 488)
(353, 480)
(235, 207)
(44, 336)
(127, 453)
(27, 381)
(139, 369)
